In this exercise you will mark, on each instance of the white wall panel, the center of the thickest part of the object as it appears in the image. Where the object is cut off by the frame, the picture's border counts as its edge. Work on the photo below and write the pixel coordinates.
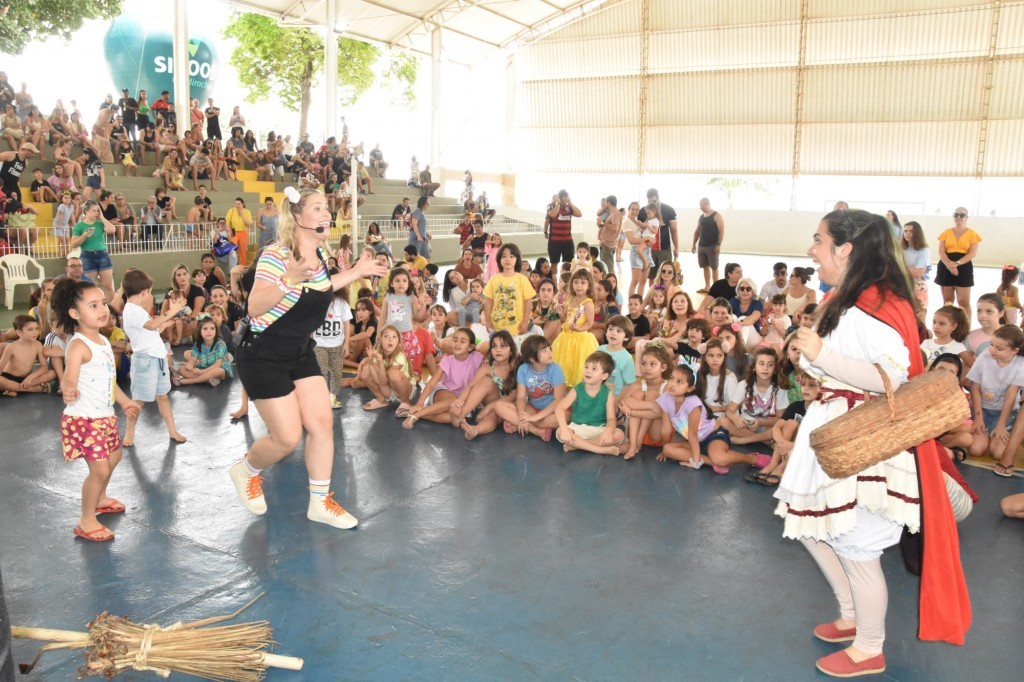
(1003, 152)
(818, 9)
(1008, 90)
(608, 150)
(928, 36)
(941, 148)
(725, 48)
(621, 18)
(926, 92)
(1011, 29)
(591, 103)
(720, 149)
(687, 14)
(611, 56)
(723, 98)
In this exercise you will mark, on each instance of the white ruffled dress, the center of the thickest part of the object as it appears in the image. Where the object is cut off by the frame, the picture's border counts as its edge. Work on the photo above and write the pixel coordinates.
(860, 515)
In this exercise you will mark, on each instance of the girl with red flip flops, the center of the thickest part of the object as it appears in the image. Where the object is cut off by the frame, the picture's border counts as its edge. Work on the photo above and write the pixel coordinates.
(89, 425)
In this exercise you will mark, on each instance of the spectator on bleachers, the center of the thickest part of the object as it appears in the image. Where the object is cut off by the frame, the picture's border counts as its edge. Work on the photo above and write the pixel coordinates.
(129, 107)
(266, 220)
(201, 167)
(426, 182)
(11, 128)
(377, 161)
(152, 225)
(237, 121)
(239, 220)
(12, 165)
(41, 190)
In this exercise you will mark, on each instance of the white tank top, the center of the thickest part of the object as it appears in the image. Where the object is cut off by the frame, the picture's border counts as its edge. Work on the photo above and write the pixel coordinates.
(96, 381)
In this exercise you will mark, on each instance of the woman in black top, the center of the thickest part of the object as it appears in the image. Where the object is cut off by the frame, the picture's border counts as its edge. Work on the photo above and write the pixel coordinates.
(184, 326)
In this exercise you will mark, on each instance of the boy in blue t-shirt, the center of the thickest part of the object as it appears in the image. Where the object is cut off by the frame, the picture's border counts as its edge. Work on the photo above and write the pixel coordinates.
(617, 333)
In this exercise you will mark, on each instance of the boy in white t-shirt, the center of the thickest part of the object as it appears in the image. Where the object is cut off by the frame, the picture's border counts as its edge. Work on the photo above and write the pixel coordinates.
(331, 343)
(150, 373)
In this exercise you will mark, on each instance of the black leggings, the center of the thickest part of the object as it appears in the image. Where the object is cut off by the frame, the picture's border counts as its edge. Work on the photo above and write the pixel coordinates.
(560, 251)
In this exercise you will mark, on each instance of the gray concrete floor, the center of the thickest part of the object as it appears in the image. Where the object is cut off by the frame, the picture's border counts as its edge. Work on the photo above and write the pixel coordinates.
(502, 559)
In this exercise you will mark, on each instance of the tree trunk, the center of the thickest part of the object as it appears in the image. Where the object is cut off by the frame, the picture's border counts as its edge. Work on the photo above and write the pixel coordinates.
(306, 83)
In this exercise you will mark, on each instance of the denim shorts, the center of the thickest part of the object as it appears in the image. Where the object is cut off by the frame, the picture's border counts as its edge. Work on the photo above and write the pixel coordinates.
(992, 418)
(638, 259)
(93, 181)
(150, 378)
(718, 434)
(96, 261)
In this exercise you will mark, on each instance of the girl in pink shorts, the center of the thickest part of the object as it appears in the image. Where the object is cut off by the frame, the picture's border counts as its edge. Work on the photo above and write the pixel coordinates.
(89, 425)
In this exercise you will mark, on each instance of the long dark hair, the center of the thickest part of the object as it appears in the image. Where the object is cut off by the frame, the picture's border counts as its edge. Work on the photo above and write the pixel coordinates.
(513, 359)
(873, 262)
(704, 370)
(688, 374)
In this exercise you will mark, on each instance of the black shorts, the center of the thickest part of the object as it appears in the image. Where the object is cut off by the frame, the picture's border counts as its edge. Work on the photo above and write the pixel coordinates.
(964, 276)
(269, 365)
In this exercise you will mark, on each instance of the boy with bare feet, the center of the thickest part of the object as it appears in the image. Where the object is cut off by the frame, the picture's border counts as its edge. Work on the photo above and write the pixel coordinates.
(17, 373)
(151, 378)
(593, 410)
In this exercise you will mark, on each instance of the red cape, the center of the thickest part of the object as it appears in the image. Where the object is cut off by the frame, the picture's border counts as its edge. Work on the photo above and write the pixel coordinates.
(945, 605)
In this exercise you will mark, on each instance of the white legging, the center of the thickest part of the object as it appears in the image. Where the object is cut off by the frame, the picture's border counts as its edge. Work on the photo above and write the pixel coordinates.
(861, 591)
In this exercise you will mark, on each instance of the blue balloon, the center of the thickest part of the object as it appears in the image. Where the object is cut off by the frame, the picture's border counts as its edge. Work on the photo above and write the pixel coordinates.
(142, 59)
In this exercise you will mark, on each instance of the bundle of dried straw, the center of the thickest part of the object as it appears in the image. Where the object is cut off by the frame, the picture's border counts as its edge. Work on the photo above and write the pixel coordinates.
(113, 644)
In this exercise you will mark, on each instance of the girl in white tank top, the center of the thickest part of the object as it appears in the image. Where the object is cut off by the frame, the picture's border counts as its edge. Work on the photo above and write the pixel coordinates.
(89, 425)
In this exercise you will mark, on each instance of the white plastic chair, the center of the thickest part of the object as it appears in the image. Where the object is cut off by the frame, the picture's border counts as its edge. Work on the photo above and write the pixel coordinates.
(15, 271)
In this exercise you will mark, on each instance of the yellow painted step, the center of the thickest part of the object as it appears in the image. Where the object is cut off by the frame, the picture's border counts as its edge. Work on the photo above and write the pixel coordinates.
(264, 189)
(45, 216)
(247, 175)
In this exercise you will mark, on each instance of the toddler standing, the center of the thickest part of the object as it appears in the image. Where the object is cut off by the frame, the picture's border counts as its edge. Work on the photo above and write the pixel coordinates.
(89, 425)
(150, 373)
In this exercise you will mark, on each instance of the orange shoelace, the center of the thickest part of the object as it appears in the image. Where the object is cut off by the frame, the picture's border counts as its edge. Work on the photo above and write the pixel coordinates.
(255, 487)
(332, 506)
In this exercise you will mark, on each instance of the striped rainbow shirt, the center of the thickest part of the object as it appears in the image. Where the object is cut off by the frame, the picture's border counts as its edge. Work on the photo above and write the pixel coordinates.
(271, 268)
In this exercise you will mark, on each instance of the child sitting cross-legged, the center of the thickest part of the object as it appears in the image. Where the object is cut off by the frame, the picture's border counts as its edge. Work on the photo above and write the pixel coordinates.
(757, 402)
(18, 371)
(684, 412)
(206, 363)
(494, 381)
(638, 401)
(449, 382)
(593, 410)
(540, 385)
(784, 432)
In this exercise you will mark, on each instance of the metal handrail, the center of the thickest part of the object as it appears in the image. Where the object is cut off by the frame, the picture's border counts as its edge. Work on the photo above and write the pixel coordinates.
(177, 237)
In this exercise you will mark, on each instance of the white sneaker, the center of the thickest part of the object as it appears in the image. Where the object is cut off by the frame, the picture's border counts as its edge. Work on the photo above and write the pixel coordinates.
(323, 509)
(335, 403)
(249, 488)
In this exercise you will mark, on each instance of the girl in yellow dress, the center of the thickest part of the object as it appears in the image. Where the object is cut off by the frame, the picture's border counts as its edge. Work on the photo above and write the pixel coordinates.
(575, 342)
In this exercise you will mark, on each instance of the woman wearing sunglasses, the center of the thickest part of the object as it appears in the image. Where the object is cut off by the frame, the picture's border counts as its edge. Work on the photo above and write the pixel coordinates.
(958, 245)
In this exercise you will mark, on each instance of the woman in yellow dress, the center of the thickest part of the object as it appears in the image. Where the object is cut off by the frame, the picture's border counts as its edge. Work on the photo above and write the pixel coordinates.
(575, 342)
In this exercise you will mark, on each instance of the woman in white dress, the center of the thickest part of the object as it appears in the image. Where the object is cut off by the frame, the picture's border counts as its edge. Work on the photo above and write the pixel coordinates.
(847, 523)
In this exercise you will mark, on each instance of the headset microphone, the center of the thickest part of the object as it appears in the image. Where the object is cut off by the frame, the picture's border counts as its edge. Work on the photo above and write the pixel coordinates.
(319, 229)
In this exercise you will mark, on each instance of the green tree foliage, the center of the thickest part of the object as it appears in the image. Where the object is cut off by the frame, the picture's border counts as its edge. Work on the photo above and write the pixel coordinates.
(401, 75)
(275, 62)
(25, 21)
(730, 185)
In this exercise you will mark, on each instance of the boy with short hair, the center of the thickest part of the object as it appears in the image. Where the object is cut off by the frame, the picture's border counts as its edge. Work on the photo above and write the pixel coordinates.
(617, 333)
(20, 357)
(150, 372)
(641, 323)
(41, 190)
(593, 410)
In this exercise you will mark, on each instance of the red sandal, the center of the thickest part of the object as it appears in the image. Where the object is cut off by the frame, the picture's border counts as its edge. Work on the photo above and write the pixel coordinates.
(101, 534)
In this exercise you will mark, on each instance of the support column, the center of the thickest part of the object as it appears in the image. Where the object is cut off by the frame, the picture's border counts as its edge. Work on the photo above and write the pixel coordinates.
(435, 102)
(798, 109)
(180, 90)
(508, 183)
(331, 126)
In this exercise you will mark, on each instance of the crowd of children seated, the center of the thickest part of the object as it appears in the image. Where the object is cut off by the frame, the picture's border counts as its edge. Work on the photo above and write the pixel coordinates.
(541, 351)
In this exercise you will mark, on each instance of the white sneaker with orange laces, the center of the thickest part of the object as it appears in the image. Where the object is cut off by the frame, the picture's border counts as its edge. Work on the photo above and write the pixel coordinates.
(249, 488)
(323, 509)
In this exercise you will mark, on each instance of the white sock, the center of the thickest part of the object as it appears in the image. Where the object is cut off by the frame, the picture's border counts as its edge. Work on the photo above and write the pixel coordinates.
(253, 471)
(319, 488)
